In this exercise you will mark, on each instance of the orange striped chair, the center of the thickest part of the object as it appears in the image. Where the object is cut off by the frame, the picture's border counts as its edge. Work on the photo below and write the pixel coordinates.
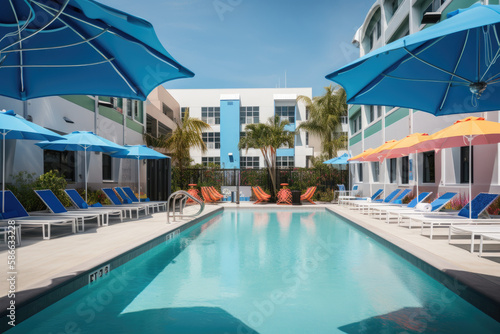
(308, 195)
(215, 193)
(206, 195)
(261, 195)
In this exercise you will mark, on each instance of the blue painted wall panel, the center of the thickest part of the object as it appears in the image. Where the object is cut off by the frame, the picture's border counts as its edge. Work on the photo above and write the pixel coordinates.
(229, 133)
(285, 152)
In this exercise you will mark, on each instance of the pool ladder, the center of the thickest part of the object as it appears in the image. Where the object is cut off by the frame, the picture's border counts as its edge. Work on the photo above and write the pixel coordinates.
(181, 196)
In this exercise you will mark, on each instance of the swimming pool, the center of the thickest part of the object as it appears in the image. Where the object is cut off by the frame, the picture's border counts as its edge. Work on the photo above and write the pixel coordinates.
(264, 272)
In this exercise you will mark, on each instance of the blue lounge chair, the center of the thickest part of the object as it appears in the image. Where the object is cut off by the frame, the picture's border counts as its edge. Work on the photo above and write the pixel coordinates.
(357, 199)
(134, 199)
(479, 205)
(435, 207)
(384, 210)
(127, 199)
(348, 194)
(57, 208)
(16, 211)
(391, 197)
(110, 194)
(397, 201)
(80, 204)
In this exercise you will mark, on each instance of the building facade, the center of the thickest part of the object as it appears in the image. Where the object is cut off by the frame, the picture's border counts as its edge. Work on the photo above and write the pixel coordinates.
(122, 121)
(228, 111)
(371, 126)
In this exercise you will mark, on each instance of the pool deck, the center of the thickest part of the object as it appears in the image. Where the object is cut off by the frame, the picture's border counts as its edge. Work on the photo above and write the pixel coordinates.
(42, 264)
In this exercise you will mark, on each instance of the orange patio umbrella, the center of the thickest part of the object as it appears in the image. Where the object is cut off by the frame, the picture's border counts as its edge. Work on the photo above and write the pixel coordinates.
(405, 147)
(378, 154)
(468, 131)
(362, 155)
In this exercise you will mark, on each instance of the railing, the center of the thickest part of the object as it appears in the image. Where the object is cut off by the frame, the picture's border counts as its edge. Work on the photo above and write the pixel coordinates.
(182, 196)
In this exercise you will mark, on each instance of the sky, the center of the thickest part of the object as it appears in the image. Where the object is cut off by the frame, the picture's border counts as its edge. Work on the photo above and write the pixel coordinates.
(253, 43)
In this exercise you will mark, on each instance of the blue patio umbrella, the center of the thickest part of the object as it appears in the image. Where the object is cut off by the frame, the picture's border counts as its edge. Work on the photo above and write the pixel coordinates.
(340, 160)
(82, 141)
(139, 152)
(81, 47)
(449, 68)
(13, 126)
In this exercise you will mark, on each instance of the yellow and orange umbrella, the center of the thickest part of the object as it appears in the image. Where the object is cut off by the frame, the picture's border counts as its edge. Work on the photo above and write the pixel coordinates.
(468, 131)
(378, 154)
(361, 156)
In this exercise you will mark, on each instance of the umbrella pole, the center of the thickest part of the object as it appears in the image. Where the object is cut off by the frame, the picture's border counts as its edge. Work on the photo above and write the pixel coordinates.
(470, 177)
(139, 178)
(85, 152)
(3, 171)
(416, 171)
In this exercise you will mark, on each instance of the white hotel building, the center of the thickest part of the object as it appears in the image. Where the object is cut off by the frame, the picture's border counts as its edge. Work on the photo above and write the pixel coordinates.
(371, 126)
(228, 111)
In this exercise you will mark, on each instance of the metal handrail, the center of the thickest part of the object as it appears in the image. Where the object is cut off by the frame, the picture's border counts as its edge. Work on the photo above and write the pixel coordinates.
(182, 196)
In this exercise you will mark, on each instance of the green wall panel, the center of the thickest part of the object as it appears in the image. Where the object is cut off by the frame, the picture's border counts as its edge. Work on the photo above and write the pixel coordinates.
(82, 100)
(396, 116)
(354, 140)
(134, 126)
(353, 110)
(372, 129)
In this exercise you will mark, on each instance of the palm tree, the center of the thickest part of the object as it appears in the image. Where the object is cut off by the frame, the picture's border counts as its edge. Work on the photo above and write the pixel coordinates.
(268, 138)
(187, 135)
(325, 114)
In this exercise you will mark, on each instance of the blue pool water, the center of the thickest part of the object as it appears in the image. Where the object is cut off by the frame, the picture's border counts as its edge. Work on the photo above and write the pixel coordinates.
(264, 272)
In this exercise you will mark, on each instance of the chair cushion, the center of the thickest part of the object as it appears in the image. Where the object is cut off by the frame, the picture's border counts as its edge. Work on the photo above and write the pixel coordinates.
(96, 205)
(9, 215)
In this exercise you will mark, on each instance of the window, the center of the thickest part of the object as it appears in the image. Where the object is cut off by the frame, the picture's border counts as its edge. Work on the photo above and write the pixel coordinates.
(210, 160)
(151, 126)
(167, 111)
(132, 108)
(63, 161)
(360, 172)
(249, 162)
(392, 170)
(429, 173)
(163, 129)
(307, 113)
(379, 111)
(107, 167)
(405, 170)
(343, 119)
(307, 138)
(184, 111)
(464, 164)
(395, 6)
(375, 171)
(371, 114)
(249, 115)
(211, 139)
(286, 113)
(359, 122)
(285, 162)
(210, 115)
(356, 123)
(243, 134)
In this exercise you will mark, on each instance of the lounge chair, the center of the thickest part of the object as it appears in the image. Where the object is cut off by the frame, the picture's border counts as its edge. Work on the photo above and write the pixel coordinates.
(348, 194)
(487, 236)
(126, 199)
(307, 196)
(397, 201)
(134, 199)
(472, 230)
(215, 192)
(479, 205)
(261, 196)
(362, 204)
(388, 209)
(80, 204)
(57, 208)
(363, 199)
(8, 230)
(17, 212)
(435, 207)
(110, 194)
(209, 195)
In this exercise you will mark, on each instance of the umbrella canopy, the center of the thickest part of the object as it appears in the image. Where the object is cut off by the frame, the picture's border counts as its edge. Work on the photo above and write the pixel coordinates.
(341, 160)
(331, 161)
(362, 155)
(82, 141)
(138, 152)
(79, 47)
(449, 68)
(13, 126)
(468, 131)
(378, 154)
